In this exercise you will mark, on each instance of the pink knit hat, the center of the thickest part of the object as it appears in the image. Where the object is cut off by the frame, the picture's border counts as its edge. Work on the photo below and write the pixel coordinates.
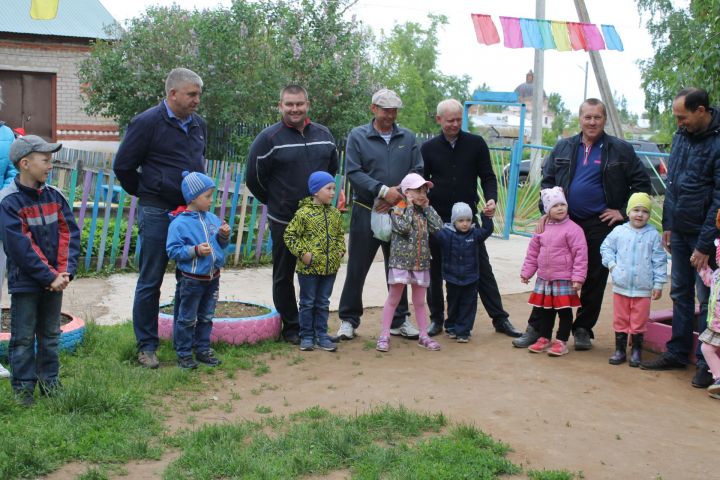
(551, 197)
(412, 181)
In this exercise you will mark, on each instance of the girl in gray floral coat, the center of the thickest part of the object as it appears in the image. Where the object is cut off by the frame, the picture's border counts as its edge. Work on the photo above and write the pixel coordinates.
(412, 222)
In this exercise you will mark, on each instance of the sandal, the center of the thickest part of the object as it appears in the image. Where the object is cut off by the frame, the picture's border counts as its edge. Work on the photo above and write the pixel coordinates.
(429, 343)
(383, 344)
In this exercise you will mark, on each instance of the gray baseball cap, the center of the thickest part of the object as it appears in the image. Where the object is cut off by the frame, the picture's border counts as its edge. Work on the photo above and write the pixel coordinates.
(24, 146)
(385, 98)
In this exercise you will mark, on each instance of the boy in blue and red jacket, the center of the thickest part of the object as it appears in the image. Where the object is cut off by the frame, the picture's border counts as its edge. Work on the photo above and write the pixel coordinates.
(42, 244)
(196, 240)
(460, 268)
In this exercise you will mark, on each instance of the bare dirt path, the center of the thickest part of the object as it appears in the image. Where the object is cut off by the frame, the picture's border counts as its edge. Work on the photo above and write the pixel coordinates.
(575, 412)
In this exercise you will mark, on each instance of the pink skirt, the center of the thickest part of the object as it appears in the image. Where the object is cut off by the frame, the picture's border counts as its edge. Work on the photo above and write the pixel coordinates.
(409, 277)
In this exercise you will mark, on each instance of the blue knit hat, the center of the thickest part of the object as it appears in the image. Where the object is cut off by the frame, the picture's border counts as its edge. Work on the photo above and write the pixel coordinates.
(194, 184)
(318, 180)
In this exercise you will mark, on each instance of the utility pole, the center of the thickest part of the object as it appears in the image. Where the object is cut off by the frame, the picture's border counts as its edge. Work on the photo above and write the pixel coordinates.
(538, 102)
(601, 77)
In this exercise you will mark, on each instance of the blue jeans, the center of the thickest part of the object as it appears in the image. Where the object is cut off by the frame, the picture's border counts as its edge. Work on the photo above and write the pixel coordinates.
(315, 291)
(35, 317)
(153, 225)
(194, 311)
(685, 282)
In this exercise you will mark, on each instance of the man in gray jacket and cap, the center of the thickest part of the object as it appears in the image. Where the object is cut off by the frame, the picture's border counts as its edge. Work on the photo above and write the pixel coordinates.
(378, 155)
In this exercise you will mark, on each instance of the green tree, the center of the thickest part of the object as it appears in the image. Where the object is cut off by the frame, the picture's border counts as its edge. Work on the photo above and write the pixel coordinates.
(562, 116)
(407, 63)
(245, 54)
(685, 40)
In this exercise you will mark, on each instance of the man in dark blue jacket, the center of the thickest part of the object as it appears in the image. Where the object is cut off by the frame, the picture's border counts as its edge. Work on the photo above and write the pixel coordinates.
(159, 145)
(692, 200)
(281, 159)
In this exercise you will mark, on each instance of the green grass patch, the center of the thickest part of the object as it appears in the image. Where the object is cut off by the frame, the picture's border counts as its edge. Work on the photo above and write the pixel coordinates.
(554, 475)
(388, 443)
(109, 410)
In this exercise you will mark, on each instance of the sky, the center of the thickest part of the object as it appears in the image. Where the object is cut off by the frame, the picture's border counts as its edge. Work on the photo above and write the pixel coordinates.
(501, 68)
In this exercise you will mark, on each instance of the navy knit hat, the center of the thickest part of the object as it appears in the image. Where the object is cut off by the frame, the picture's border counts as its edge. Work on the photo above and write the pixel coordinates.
(318, 180)
(194, 184)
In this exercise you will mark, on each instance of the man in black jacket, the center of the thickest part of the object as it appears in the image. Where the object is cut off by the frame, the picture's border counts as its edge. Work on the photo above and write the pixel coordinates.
(692, 200)
(598, 173)
(281, 159)
(158, 146)
(454, 160)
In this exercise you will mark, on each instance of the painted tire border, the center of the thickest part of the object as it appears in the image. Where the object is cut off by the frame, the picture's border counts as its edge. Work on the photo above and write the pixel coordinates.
(233, 330)
(71, 335)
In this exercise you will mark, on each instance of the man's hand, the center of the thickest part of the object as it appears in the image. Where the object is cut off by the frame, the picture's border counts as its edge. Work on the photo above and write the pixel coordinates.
(393, 196)
(611, 216)
(381, 206)
(577, 286)
(225, 229)
(540, 227)
(524, 280)
(203, 249)
(306, 258)
(699, 260)
(666, 241)
(656, 294)
(489, 210)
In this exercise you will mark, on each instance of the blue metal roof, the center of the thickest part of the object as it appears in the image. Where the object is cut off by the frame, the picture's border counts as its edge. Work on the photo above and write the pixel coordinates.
(75, 18)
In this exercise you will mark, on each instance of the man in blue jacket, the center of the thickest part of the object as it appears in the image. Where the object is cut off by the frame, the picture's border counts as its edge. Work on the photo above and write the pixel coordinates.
(281, 159)
(692, 200)
(159, 145)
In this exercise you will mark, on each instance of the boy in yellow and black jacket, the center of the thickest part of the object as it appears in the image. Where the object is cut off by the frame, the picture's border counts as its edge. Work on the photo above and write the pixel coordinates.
(315, 236)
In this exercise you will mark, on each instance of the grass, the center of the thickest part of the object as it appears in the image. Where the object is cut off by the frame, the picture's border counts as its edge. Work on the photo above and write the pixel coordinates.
(109, 410)
(387, 443)
(554, 475)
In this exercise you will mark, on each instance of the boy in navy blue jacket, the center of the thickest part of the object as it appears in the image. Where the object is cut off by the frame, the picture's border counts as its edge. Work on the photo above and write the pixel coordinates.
(459, 243)
(42, 244)
(196, 241)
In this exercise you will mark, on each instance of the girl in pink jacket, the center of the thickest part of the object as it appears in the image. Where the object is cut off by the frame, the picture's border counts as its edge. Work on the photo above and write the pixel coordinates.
(559, 256)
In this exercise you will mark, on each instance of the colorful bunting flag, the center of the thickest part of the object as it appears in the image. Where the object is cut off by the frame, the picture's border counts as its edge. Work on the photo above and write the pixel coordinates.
(44, 9)
(612, 39)
(512, 34)
(592, 37)
(545, 34)
(485, 29)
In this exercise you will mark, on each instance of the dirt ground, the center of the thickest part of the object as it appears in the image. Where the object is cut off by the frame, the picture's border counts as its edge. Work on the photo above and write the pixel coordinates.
(575, 412)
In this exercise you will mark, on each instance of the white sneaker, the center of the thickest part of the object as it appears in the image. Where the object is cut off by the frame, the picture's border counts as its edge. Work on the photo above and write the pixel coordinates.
(346, 331)
(406, 330)
(4, 373)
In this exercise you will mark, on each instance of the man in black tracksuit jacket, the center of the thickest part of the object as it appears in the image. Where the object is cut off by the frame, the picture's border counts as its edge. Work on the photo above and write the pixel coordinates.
(454, 160)
(281, 159)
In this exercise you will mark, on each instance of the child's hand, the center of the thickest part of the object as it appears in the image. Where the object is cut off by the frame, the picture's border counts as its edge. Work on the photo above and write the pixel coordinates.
(577, 286)
(60, 283)
(306, 258)
(203, 249)
(225, 229)
(524, 280)
(422, 201)
(656, 294)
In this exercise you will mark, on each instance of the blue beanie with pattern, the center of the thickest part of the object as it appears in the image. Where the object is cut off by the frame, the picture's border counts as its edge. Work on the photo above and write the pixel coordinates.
(194, 184)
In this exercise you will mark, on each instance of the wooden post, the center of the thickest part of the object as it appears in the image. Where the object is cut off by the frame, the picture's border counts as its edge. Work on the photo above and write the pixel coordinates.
(538, 102)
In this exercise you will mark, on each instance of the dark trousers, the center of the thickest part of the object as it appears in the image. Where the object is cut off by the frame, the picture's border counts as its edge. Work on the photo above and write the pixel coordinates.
(283, 275)
(547, 323)
(362, 248)
(315, 291)
(195, 302)
(462, 307)
(593, 290)
(487, 286)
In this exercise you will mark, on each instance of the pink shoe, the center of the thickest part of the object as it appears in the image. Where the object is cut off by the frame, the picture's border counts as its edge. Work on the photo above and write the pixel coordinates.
(383, 344)
(429, 343)
(558, 349)
(540, 346)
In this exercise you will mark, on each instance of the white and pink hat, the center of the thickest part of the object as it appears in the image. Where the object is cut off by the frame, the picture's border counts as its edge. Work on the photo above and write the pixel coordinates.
(413, 181)
(551, 197)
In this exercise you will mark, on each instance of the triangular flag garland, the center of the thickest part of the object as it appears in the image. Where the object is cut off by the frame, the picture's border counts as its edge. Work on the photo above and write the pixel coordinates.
(546, 34)
(44, 9)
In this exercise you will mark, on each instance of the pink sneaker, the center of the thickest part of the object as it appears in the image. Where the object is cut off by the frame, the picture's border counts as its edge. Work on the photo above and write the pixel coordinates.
(429, 343)
(558, 348)
(383, 344)
(540, 346)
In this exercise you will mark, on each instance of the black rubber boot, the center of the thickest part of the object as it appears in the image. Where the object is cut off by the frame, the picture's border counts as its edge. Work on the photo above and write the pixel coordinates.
(636, 352)
(619, 356)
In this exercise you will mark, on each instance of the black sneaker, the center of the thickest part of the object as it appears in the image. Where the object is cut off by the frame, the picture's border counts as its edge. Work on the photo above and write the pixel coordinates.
(703, 378)
(187, 363)
(435, 329)
(582, 339)
(50, 389)
(528, 338)
(24, 397)
(663, 363)
(208, 358)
